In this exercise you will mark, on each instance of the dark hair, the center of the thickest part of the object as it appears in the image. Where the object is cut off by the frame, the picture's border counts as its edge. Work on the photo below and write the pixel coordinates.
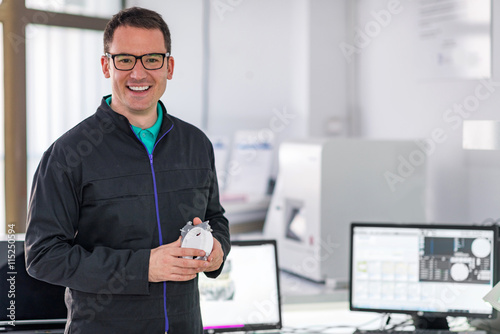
(139, 18)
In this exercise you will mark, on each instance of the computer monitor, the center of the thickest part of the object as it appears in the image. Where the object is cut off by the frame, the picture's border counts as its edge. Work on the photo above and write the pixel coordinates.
(26, 303)
(246, 295)
(428, 271)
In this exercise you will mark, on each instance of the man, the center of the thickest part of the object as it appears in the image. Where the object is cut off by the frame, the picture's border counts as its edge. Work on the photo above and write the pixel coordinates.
(110, 196)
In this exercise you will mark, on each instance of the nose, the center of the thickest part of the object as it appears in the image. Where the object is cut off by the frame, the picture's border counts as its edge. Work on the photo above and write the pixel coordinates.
(138, 72)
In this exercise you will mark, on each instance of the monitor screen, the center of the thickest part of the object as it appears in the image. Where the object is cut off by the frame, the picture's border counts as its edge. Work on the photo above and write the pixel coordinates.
(423, 269)
(26, 302)
(246, 295)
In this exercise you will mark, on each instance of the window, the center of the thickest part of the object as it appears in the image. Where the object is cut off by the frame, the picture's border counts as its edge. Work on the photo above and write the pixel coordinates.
(43, 93)
(64, 84)
(97, 8)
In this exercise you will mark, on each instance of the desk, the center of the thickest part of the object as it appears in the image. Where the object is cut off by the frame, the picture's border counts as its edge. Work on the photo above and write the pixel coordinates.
(337, 315)
(318, 316)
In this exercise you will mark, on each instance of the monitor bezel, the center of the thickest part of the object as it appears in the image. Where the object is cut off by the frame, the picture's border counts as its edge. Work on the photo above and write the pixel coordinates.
(258, 326)
(429, 314)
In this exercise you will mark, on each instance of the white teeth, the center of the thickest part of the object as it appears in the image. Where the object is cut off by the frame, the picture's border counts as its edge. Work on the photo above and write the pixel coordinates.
(140, 88)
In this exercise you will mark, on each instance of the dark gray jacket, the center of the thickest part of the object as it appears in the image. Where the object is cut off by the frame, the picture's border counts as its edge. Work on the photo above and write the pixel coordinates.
(100, 203)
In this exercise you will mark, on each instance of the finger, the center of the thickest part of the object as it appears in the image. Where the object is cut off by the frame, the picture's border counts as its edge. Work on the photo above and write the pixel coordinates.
(212, 266)
(186, 270)
(216, 261)
(212, 257)
(189, 264)
(191, 252)
(197, 221)
(216, 250)
(179, 278)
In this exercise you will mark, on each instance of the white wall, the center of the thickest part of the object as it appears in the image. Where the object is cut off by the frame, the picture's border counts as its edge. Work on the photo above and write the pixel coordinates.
(328, 70)
(273, 65)
(253, 66)
(281, 55)
(394, 102)
(265, 57)
(183, 97)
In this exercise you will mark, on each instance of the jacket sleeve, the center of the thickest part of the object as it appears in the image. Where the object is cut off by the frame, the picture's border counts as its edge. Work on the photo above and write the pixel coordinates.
(52, 255)
(215, 215)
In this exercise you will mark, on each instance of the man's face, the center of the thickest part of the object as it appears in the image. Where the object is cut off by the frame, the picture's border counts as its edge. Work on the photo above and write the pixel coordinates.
(137, 91)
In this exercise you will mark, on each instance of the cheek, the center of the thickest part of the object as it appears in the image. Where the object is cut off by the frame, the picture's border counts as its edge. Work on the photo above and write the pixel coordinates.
(162, 84)
(117, 78)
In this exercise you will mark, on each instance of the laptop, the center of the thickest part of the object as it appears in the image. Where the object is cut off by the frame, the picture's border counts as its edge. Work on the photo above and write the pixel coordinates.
(246, 295)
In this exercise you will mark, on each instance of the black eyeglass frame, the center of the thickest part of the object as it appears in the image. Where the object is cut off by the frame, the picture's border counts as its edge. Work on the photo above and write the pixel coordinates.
(164, 55)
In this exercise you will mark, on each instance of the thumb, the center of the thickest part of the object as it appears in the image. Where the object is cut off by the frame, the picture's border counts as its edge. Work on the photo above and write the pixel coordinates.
(176, 243)
(197, 221)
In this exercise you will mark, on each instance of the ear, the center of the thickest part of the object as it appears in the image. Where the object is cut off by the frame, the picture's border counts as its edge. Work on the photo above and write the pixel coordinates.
(170, 68)
(105, 66)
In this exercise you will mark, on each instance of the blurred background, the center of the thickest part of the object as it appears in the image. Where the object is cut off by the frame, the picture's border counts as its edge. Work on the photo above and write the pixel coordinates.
(279, 69)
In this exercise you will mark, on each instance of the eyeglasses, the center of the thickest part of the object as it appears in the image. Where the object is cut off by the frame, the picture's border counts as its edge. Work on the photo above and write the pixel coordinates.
(150, 61)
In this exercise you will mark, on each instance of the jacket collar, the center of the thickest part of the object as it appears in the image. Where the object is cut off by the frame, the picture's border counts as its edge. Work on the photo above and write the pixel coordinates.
(123, 123)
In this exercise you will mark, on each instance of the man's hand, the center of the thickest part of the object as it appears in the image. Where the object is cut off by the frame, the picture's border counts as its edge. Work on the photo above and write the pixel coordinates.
(216, 256)
(166, 262)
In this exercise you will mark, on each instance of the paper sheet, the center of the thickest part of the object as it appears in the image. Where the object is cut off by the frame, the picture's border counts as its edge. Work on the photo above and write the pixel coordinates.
(455, 39)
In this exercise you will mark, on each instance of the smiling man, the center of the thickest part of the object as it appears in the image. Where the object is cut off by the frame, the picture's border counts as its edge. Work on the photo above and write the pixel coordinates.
(137, 89)
(106, 224)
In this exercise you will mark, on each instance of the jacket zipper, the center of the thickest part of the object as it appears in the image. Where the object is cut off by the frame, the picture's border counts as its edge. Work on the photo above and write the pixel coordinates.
(160, 236)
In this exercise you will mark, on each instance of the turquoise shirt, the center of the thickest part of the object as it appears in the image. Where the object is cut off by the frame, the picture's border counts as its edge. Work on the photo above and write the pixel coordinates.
(147, 136)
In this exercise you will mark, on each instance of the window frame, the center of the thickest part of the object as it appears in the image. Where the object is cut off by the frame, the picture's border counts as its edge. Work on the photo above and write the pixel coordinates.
(15, 17)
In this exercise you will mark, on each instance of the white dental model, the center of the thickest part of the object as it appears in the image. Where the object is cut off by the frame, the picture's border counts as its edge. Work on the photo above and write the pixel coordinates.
(199, 237)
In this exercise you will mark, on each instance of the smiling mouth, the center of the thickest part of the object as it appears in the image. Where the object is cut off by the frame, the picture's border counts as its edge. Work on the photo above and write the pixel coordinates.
(139, 88)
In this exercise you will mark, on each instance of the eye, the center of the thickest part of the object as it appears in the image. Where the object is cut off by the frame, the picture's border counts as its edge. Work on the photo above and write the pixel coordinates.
(153, 59)
(123, 59)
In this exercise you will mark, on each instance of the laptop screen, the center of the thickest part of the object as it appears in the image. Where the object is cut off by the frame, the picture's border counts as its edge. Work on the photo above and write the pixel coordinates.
(246, 295)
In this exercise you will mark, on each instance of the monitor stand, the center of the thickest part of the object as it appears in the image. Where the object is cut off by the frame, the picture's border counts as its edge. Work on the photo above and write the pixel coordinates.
(421, 322)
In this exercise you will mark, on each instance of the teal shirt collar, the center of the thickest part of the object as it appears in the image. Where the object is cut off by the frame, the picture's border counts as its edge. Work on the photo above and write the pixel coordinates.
(155, 129)
(147, 136)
